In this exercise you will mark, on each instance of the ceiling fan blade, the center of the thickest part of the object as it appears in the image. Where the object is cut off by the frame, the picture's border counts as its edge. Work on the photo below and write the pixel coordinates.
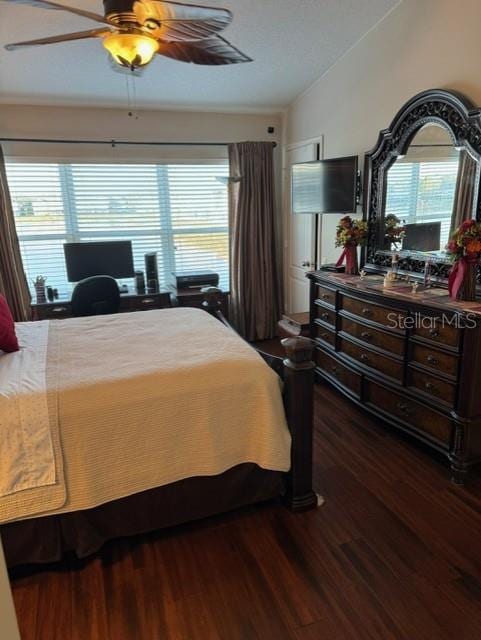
(45, 4)
(181, 22)
(212, 51)
(79, 35)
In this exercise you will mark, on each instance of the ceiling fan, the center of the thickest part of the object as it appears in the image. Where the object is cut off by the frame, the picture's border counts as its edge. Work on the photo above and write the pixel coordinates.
(136, 30)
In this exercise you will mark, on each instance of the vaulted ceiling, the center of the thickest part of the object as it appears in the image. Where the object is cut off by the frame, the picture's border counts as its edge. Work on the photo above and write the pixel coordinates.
(292, 43)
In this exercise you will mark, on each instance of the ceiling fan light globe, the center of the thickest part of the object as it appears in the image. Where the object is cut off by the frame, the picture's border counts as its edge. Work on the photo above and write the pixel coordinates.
(131, 49)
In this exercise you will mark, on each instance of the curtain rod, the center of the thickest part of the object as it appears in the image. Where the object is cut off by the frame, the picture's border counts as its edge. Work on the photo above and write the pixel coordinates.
(115, 143)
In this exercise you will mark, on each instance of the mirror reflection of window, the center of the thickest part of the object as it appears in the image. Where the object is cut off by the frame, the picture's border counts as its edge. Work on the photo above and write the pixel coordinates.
(433, 186)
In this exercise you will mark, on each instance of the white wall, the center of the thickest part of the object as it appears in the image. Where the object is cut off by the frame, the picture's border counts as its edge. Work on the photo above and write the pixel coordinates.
(18, 121)
(421, 44)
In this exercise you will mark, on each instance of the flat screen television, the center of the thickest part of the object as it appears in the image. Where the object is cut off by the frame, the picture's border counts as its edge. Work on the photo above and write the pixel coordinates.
(325, 186)
(86, 259)
(422, 237)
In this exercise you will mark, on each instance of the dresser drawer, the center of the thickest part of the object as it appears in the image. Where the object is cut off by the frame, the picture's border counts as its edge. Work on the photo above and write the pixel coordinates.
(374, 313)
(344, 375)
(428, 384)
(435, 360)
(426, 420)
(326, 335)
(380, 339)
(326, 295)
(437, 331)
(387, 366)
(325, 315)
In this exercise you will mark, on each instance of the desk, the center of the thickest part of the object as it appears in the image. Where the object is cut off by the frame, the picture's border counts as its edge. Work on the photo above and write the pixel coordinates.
(128, 302)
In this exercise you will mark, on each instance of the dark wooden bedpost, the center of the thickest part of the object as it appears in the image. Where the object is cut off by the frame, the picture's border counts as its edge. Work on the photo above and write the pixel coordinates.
(299, 406)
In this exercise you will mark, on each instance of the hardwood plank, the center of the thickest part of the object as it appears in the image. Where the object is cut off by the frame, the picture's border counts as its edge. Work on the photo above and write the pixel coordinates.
(89, 613)
(54, 611)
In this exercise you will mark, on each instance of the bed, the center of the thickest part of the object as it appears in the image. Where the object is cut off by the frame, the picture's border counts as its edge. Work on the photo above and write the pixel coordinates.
(118, 425)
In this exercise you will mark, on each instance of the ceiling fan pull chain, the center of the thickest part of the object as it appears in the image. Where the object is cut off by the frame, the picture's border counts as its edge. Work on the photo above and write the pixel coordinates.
(134, 99)
(129, 102)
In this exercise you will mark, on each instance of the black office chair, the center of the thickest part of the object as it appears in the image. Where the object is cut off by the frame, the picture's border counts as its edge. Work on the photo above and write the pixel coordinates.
(98, 295)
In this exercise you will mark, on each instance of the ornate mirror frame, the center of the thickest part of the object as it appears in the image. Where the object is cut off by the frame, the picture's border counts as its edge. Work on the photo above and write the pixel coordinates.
(462, 121)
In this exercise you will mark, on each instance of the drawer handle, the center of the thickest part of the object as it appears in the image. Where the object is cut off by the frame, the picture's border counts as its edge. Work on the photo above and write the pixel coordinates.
(364, 358)
(325, 296)
(366, 336)
(325, 316)
(404, 408)
(59, 309)
(335, 371)
(429, 387)
(325, 336)
(432, 360)
(434, 333)
(148, 301)
(366, 312)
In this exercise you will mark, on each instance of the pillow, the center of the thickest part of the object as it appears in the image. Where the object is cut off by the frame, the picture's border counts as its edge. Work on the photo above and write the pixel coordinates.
(8, 339)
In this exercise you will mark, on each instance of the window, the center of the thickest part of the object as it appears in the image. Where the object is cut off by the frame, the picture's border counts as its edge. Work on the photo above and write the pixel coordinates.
(178, 210)
(423, 192)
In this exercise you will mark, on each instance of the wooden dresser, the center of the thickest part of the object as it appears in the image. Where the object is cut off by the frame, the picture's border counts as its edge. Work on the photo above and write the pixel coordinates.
(413, 360)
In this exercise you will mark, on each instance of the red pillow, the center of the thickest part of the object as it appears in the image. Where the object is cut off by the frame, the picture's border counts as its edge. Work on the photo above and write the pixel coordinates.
(8, 339)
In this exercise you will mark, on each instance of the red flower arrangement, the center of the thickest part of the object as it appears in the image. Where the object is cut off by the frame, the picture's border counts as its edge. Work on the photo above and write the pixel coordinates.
(350, 234)
(464, 247)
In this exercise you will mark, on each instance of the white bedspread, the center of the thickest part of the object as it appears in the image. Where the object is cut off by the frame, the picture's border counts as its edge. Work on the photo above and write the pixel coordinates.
(142, 400)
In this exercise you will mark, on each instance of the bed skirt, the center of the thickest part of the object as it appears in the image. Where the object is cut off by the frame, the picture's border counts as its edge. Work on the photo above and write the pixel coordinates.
(46, 539)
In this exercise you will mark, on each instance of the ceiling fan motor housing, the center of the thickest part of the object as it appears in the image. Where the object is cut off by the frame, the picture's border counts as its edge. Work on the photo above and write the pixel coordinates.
(113, 8)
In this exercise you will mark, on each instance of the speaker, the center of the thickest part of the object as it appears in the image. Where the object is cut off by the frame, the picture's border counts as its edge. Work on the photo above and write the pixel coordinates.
(151, 269)
(140, 282)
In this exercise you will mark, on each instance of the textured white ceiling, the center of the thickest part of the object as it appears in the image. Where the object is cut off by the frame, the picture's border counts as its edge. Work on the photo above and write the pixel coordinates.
(292, 43)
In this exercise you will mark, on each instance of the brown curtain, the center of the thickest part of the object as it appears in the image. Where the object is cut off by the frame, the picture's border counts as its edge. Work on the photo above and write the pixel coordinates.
(465, 190)
(255, 273)
(13, 283)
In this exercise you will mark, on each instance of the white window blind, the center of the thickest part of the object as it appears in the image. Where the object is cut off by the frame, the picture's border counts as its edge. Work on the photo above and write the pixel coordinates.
(423, 192)
(178, 210)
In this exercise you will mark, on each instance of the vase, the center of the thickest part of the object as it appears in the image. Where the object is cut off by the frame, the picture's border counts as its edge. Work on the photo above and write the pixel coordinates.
(463, 279)
(352, 267)
(468, 288)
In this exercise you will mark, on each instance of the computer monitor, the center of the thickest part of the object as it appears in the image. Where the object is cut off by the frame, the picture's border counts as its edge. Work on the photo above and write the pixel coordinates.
(86, 259)
(422, 237)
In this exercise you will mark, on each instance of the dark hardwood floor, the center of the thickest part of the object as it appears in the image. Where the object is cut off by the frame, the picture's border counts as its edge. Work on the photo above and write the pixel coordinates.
(394, 553)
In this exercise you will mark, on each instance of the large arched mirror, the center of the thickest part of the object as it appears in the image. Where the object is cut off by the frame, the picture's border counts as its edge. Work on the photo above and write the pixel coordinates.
(422, 182)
